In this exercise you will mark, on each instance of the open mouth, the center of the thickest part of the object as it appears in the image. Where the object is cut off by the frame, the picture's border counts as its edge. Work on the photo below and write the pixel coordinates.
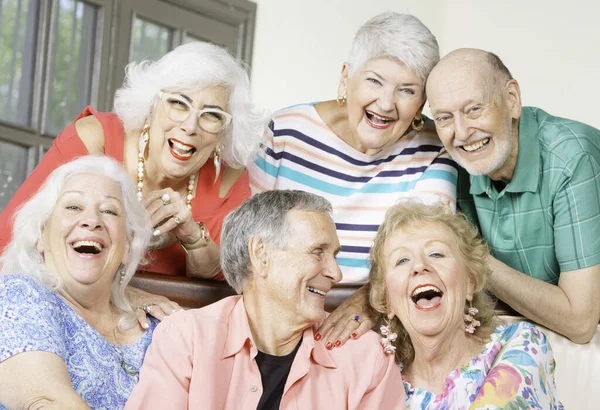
(87, 247)
(377, 120)
(426, 297)
(476, 146)
(180, 150)
(316, 291)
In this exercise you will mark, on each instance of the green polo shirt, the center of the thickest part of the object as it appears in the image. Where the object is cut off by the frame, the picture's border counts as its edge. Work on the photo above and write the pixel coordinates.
(547, 219)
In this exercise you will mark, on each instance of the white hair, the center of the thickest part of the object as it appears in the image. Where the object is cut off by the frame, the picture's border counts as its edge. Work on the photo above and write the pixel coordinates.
(195, 66)
(21, 255)
(399, 36)
(262, 216)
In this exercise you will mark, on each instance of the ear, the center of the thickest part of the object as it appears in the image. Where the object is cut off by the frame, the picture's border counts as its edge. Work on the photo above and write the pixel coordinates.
(470, 289)
(512, 93)
(126, 253)
(343, 80)
(259, 256)
(390, 314)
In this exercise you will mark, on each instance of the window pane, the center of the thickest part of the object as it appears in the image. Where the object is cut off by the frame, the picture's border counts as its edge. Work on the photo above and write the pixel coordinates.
(189, 39)
(18, 29)
(71, 63)
(13, 170)
(149, 40)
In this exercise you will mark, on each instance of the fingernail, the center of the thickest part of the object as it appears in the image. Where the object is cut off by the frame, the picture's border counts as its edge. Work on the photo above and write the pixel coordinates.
(338, 343)
(354, 335)
(329, 345)
(145, 326)
(156, 233)
(318, 336)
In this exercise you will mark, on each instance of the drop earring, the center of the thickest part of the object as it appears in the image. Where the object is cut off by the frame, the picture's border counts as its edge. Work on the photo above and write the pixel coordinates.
(121, 274)
(470, 323)
(217, 162)
(388, 337)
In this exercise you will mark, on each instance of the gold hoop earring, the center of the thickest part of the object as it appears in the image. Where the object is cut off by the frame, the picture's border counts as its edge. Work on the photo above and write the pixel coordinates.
(418, 124)
(341, 100)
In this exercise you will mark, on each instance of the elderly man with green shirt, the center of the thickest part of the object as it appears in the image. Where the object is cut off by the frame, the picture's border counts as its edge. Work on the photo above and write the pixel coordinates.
(533, 189)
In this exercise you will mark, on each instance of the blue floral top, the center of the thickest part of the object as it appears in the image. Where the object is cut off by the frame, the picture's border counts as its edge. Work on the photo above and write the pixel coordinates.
(515, 370)
(34, 318)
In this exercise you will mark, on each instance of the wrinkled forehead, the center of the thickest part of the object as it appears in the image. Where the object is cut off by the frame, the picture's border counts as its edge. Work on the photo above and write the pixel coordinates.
(447, 89)
(307, 227)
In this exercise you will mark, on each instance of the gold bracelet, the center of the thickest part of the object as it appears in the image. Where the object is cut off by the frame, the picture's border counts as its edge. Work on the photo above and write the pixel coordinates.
(200, 243)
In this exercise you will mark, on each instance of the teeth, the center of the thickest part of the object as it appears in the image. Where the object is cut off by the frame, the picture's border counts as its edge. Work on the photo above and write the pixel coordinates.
(180, 148)
(317, 291)
(377, 117)
(88, 243)
(422, 289)
(476, 145)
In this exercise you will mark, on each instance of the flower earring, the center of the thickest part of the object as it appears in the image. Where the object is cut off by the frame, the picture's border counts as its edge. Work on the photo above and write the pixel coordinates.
(470, 323)
(341, 100)
(217, 162)
(388, 337)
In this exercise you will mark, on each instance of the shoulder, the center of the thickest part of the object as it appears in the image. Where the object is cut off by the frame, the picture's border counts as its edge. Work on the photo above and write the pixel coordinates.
(91, 125)
(365, 349)
(22, 289)
(203, 319)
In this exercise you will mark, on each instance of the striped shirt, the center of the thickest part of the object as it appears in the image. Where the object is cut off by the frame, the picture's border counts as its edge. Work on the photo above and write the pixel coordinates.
(546, 220)
(303, 153)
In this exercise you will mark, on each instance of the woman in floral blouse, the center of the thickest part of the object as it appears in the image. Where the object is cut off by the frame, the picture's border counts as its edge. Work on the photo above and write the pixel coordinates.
(428, 275)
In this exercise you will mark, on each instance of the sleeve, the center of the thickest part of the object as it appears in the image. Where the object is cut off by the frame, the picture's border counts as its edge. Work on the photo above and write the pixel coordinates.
(522, 375)
(438, 182)
(29, 318)
(577, 214)
(167, 369)
(265, 168)
(66, 147)
(386, 391)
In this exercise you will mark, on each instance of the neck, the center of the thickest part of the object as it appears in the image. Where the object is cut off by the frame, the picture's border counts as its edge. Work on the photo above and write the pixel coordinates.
(272, 333)
(437, 356)
(505, 173)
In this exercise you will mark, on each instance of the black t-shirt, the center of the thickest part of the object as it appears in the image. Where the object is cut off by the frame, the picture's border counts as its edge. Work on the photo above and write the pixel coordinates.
(274, 371)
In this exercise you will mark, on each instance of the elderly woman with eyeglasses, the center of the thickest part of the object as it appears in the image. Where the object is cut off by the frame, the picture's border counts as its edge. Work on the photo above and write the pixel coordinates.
(68, 338)
(183, 128)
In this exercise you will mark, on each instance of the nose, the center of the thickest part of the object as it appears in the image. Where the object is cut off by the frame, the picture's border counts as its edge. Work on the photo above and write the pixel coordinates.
(461, 129)
(332, 270)
(419, 266)
(386, 100)
(190, 126)
(90, 220)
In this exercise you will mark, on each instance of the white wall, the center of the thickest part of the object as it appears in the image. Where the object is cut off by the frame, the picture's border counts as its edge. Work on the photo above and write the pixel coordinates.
(552, 47)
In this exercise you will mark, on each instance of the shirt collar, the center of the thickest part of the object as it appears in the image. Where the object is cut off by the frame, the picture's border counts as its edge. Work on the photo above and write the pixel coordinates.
(526, 175)
(238, 334)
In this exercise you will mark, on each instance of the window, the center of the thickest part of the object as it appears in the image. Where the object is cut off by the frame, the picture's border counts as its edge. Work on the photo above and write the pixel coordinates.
(57, 56)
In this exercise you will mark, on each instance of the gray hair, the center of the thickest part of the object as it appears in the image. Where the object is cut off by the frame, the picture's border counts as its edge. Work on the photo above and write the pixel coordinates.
(195, 66)
(262, 216)
(21, 255)
(399, 36)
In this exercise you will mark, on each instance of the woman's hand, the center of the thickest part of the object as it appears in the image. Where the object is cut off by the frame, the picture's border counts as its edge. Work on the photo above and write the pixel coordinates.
(155, 305)
(351, 319)
(168, 212)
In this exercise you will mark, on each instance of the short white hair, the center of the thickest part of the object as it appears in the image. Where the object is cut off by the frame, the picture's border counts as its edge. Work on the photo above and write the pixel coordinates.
(401, 37)
(21, 255)
(195, 66)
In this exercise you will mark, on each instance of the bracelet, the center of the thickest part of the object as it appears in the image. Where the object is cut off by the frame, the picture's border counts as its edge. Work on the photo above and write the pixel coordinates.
(200, 243)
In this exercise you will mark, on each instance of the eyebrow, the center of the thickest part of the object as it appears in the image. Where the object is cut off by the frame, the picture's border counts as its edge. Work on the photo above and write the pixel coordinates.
(205, 106)
(81, 193)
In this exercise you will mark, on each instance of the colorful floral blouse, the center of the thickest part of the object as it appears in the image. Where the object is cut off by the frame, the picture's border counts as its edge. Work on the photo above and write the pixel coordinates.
(515, 370)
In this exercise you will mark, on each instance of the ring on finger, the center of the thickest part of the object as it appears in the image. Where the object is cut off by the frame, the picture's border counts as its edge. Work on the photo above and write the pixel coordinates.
(356, 318)
(177, 220)
(165, 199)
(146, 308)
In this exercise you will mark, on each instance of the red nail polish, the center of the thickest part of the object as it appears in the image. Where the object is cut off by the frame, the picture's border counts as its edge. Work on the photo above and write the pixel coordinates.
(318, 336)
(338, 343)
(354, 335)
(329, 345)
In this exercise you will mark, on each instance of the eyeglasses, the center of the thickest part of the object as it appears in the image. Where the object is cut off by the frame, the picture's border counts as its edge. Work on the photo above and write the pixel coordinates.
(178, 109)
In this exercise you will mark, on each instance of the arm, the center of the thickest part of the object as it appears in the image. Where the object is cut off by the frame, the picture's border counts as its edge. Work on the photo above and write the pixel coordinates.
(522, 374)
(167, 370)
(438, 182)
(387, 392)
(263, 171)
(36, 380)
(158, 306)
(340, 325)
(570, 308)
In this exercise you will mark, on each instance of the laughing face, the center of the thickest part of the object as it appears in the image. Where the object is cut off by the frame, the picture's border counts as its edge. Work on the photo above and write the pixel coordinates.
(383, 98)
(476, 119)
(305, 269)
(427, 280)
(85, 240)
(178, 149)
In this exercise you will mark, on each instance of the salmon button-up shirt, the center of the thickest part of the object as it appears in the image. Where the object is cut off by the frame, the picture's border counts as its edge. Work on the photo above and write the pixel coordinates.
(204, 359)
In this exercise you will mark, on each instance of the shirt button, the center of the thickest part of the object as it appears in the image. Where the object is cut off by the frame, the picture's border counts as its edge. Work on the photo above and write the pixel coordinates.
(252, 388)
